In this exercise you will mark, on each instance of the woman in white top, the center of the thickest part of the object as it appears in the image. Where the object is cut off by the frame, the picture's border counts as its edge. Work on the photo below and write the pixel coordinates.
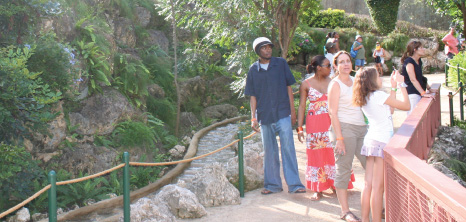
(378, 106)
(378, 58)
(348, 129)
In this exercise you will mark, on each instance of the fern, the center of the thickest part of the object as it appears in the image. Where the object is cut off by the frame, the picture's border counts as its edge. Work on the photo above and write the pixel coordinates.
(78, 193)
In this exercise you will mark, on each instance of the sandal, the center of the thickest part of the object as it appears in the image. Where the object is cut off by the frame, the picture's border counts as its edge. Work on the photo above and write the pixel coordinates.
(350, 217)
(266, 192)
(316, 196)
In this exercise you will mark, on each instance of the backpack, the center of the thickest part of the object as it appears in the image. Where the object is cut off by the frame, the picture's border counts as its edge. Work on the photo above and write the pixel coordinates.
(353, 52)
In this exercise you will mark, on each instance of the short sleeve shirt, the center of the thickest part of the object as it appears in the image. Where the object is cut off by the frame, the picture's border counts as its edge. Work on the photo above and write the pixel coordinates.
(379, 116)
(270, 87)
(452, 43)
(361, 52)
(419, 77)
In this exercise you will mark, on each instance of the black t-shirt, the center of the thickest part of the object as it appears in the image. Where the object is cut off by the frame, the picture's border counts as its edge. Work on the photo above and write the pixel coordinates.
(418, 71)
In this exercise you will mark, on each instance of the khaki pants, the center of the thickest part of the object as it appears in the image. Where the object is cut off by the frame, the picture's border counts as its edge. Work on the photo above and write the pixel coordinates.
(353, 139)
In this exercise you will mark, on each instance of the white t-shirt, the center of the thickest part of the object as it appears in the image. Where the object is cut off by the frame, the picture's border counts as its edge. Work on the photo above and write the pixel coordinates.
(330, 56)
(379, 116)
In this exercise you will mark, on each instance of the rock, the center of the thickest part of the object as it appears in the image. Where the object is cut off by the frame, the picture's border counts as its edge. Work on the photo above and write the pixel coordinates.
(60, 211)
(221, 112)
(124, 32)
(143, 16)
(181, 202)
(197, 89)
(89, 202)
(177, 151)
(87, 158)
(38, 216)
(186, 140)
(159, 39)
(450, 140)
(212, 188)
(101, 112)
(430, 45)
(252, 179)
(21, 216)
(214, 56)
(147, 210)
(397, 62)
(56, 131)
(156, 91)
(220, 88)
(443, 169)
(188, 120)
(388, 55)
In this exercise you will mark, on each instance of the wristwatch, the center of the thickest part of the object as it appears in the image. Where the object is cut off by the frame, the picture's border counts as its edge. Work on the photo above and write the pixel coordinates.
(403, 85)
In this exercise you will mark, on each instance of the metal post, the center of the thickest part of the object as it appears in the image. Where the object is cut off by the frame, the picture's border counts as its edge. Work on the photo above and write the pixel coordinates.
(53, 196)
(446, 71)
(460, 85)
(458, 70)
(241, 164)
(450, 100)
(126, 197)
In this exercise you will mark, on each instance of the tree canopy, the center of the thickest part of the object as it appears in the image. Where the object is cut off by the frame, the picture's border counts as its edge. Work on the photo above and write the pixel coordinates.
(454, 8)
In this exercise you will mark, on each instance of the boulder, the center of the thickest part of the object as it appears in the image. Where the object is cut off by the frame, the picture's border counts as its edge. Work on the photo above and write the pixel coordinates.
(159, 39)
(156, 91)
(221, 90)
(101, 112)
(212, 188)
(195, 88)
(177, 151)
(143, 16)
(56, 131)
(124, 32)
(181, 202)
(430, 45)
(87, 158)
(221, 112)
(21, 216)
(252, 179)
(188, 120)
(148, 210)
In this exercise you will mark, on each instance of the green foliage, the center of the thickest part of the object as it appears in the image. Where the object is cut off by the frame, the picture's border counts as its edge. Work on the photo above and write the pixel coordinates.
(454, 8)
(330, 18)
(54, 60)
(162, 109)
(136, 133)
(458, 167)
(97, 65)
(384, 13)
(303, 43)
(78, 193)
(141, 176)
(159, 65)
(131, 78)
(115, 180)
(453, 71)
(17, 173)
(24, 98)
(460, 124)
(396, 42)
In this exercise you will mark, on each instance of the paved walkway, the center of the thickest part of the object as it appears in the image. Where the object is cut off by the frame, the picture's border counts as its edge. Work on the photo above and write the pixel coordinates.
(298, 207)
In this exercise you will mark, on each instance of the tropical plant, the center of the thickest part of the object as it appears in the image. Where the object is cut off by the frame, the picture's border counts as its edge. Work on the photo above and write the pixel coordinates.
(138, 133)
(25, 100)
(79, 193)
(459, 59)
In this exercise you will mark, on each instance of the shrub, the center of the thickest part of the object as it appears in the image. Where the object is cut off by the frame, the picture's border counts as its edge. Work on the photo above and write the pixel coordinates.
(384, 13)
(54, 61)
(162, 109)
(18, 172)
(330, 18)
(159, 65)
(302, 43)
(134, 134)
(396, 42)
(78, 193)
(453, 71)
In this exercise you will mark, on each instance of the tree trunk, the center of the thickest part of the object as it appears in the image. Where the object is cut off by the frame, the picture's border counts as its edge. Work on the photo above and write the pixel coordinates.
(175, 71)
(286, 17)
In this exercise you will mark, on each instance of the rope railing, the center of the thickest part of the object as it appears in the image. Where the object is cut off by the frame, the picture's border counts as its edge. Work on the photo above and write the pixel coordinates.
(455, 67)
(77, 180)
(459, 90)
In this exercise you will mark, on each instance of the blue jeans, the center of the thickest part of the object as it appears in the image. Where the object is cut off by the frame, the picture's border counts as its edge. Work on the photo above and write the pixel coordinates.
(359, 62)
(272, 179)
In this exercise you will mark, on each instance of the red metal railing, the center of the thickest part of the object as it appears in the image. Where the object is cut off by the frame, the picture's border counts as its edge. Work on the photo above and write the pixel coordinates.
(415, 191)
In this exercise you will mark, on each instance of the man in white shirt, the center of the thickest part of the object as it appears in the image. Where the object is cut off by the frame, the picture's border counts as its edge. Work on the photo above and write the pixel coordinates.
(331, 51)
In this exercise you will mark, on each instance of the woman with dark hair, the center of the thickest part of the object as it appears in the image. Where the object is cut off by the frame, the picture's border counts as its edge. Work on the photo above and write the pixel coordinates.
(333, 38)
(412, 71)
(378, 106)
(348, 129)
(320, 167)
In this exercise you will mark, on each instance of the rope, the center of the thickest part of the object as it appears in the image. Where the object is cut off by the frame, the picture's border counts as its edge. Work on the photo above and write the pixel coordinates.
(190, 159)
(448, 64)
(457, 91)
(90, 176)
(25, 201)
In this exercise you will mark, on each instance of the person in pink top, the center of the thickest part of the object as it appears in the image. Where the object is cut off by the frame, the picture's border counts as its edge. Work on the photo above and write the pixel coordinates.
(450, 44)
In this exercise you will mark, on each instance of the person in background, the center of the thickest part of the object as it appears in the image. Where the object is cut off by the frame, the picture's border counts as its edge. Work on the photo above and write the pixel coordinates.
(320, 167)
(332, 37)
(417, 86)
(451, 44)
(361, 56)
(379, 58)
(378, 107)
(268, 84)
(348, 129)
(331, 50)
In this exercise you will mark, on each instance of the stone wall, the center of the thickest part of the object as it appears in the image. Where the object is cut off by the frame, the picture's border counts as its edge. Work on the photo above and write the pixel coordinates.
(411, 11)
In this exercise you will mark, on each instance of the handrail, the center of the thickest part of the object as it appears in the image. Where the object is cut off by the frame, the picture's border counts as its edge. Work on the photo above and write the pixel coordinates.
(113, 169)
(425, 191)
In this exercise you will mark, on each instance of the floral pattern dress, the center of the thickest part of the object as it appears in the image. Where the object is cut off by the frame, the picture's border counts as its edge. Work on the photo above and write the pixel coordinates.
(320, 167)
